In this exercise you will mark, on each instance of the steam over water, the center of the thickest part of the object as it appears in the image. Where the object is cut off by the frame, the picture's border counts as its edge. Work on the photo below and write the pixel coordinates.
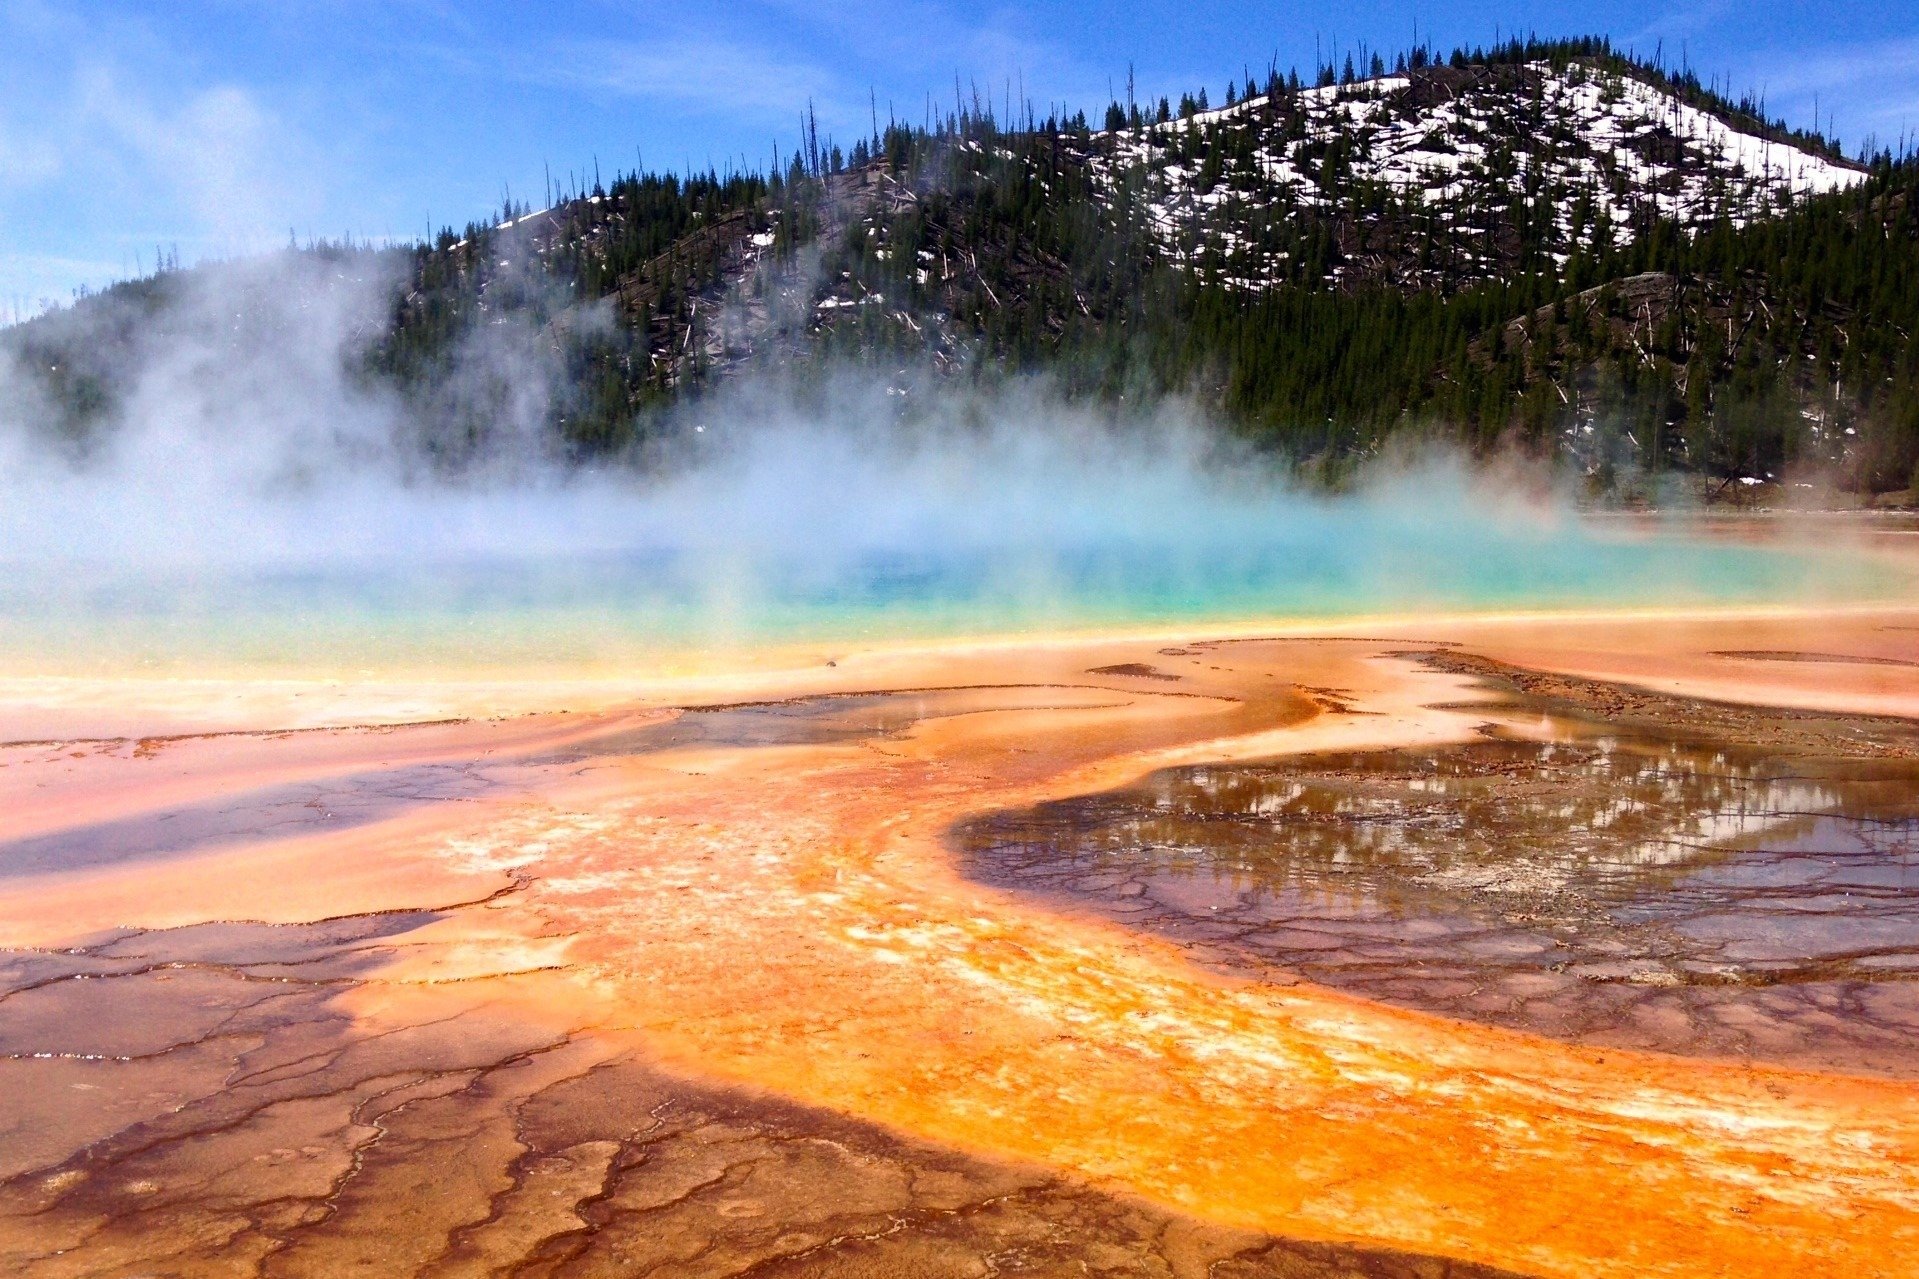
(251, 501)
(1102, 557)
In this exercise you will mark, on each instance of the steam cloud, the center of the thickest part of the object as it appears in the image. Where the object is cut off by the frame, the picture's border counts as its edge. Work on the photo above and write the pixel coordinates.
(245, 441)
(245, 435)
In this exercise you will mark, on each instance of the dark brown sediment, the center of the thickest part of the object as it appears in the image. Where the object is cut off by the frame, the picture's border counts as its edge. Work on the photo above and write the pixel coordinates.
(1797, 655)
(1744, 726)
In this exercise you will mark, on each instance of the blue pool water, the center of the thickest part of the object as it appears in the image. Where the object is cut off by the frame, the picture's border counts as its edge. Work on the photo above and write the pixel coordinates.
(627, 609)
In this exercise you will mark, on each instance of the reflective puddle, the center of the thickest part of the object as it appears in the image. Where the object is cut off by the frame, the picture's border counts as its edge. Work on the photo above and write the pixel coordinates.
(1608, 888)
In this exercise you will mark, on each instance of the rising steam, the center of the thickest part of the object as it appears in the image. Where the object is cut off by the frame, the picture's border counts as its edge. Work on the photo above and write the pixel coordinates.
(246, 446)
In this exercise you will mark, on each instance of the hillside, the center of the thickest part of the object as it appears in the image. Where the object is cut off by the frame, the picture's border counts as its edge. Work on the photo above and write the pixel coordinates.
(1545, 246)
(1442, 175)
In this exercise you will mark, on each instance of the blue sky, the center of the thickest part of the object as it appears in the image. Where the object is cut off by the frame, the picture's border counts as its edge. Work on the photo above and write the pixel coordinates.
(220, 125)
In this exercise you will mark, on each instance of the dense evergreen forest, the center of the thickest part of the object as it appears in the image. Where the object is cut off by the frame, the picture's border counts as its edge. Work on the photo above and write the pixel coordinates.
(1545, 246)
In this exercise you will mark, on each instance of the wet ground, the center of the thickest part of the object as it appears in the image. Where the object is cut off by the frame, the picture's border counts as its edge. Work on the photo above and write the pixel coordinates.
(543, 1076)
(361, 798)
(1606, 866)
(232, 1118)
(237, 1121)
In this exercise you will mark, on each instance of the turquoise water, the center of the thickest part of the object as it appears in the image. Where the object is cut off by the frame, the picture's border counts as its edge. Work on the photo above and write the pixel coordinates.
(633, 610)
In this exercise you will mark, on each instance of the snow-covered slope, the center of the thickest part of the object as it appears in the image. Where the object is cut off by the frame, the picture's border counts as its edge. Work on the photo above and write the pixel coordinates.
(1578, 152)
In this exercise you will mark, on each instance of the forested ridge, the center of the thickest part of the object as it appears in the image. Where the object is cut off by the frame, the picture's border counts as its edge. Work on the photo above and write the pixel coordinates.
(1544, 247)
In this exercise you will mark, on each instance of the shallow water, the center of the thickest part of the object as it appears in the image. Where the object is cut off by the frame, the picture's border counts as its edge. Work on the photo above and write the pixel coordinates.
(1603, 887)
(329, 805)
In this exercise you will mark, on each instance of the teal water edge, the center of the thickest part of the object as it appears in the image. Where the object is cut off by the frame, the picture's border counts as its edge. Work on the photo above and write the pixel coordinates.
(629, 609)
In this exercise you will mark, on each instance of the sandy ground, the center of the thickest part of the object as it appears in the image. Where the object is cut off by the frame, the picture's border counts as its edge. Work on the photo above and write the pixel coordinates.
(318, 998)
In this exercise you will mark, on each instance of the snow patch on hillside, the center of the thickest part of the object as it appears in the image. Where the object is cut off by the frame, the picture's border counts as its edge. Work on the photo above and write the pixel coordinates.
(1594, 152)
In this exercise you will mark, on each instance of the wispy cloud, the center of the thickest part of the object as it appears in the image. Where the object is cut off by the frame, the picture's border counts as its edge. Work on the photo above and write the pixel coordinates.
(772, 62)
(1677, 22)
(710, 74)
(1849, 65)
(216, 157)
(1858, 86)
(28, 156)
(1866, 87)
(929, 43)
(219, 152)
(108, 144)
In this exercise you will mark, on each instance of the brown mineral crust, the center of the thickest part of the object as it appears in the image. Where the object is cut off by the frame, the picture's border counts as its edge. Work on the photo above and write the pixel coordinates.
(1799, 730)
(1675, 653)
(1796, 655)
(1136, 670)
